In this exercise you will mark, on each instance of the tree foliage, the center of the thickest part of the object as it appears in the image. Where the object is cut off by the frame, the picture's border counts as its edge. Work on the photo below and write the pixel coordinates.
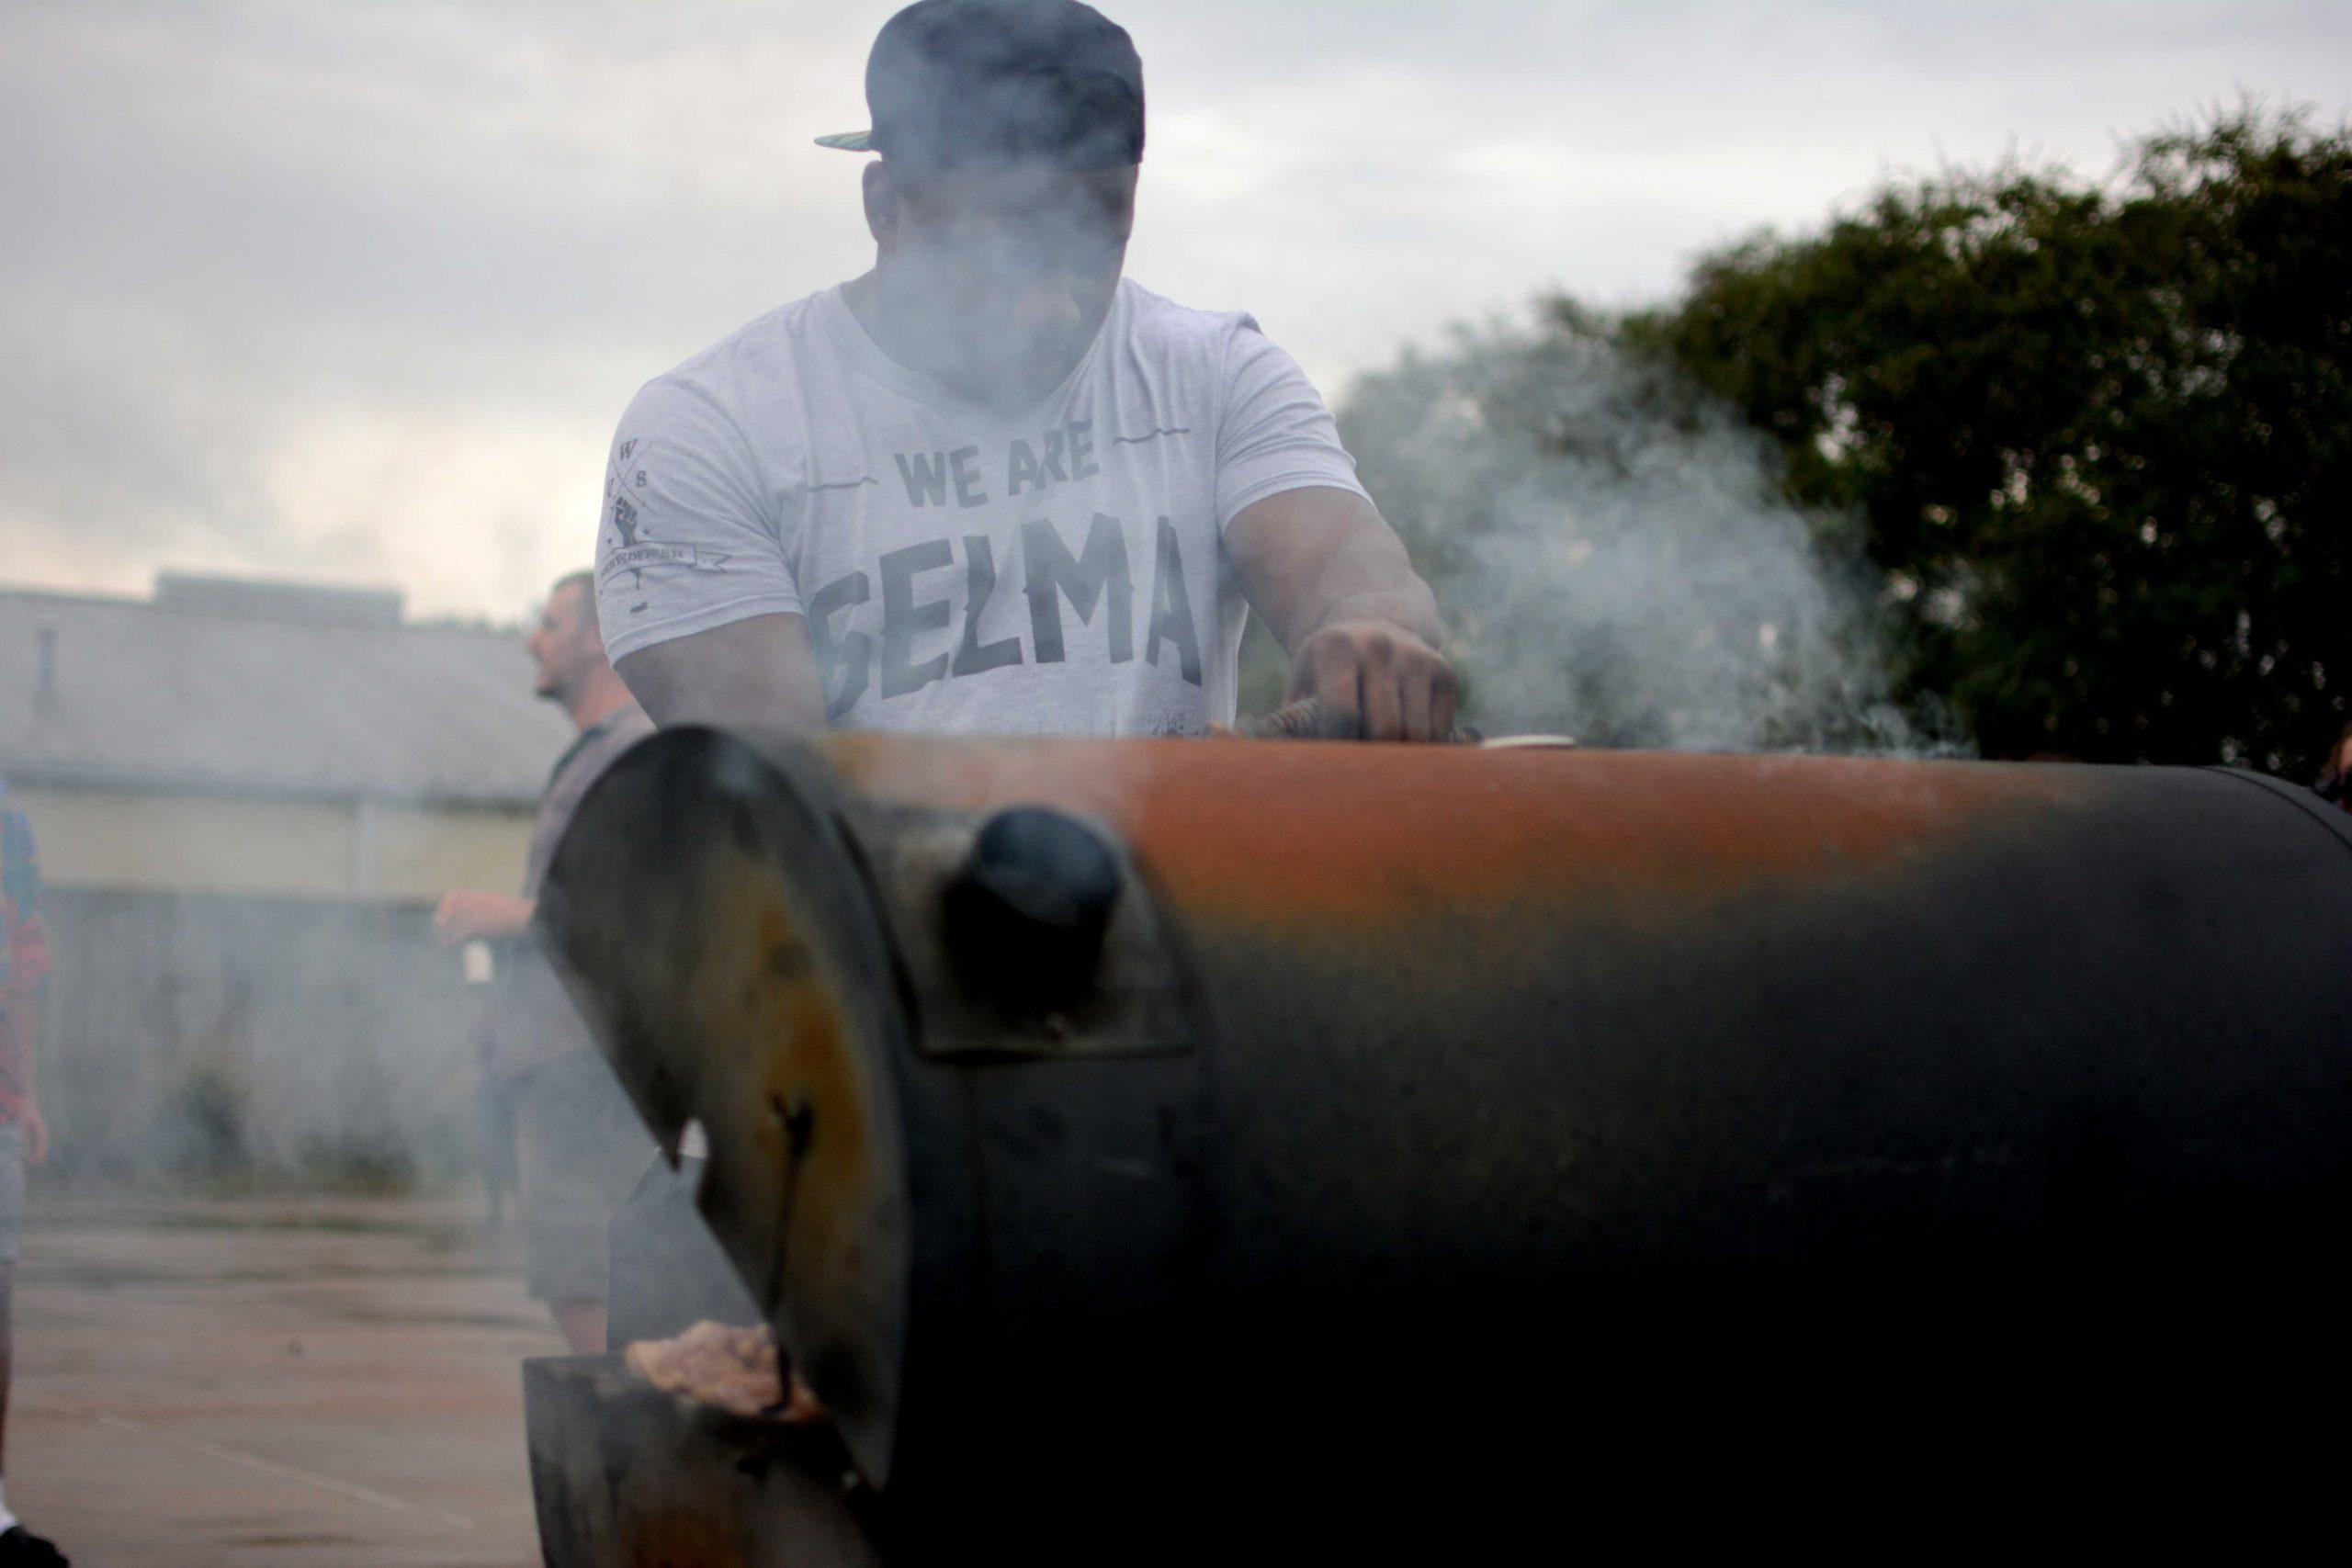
(2098, 438)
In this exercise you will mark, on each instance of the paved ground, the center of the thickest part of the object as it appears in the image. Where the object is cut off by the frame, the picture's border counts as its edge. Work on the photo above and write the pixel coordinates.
(331, 1381)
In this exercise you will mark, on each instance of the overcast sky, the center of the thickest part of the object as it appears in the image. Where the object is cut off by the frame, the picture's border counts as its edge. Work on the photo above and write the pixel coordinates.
(353, 292)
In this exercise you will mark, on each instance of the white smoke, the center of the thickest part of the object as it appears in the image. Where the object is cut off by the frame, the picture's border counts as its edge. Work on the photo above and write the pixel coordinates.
(1614, 558)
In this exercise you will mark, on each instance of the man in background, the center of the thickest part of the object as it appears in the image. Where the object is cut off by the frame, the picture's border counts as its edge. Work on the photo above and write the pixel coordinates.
(579, 1145)
(23, 1136)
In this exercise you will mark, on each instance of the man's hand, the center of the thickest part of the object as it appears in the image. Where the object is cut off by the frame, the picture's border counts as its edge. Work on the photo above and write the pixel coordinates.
(1335, 585)
(1393, 685)
(34, 1133)
(469, 913)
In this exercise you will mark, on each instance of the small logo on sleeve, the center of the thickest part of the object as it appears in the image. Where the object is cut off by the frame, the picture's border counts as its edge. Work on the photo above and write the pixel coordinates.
(636, 558)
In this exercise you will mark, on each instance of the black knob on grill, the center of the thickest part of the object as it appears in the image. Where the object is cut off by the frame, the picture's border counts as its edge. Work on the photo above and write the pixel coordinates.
(1028, 910)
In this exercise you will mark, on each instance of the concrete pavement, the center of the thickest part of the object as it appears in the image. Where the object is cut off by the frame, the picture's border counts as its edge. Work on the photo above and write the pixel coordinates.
(328, 1381)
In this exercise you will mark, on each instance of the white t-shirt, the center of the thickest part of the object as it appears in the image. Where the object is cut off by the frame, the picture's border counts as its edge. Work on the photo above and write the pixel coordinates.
(1059, 571)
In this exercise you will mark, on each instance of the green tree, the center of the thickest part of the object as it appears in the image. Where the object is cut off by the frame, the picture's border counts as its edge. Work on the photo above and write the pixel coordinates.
(2098, 438)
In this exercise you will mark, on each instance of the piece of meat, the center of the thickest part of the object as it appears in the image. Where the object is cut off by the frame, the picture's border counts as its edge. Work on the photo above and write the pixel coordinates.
(734, 1370)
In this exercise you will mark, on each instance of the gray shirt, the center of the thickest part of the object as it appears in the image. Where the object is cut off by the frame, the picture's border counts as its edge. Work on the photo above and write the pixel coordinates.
(1059, 569)
(532, 1018)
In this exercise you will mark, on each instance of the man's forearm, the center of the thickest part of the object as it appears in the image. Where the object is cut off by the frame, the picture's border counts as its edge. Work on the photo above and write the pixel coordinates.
(510, 919)
(1373, 580)
(1339, 592)
(1309, 559)
(759, 673)
(1409, 609)
(471, 912)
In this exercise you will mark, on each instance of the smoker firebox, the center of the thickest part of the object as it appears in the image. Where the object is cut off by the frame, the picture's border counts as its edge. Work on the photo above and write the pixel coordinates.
(623, 1475)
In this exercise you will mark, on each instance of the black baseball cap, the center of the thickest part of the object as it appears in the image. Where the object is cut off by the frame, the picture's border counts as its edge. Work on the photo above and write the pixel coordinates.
(960, 83)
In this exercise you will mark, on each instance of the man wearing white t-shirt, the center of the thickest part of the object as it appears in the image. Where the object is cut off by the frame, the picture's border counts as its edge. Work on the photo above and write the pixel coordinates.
(990, 486)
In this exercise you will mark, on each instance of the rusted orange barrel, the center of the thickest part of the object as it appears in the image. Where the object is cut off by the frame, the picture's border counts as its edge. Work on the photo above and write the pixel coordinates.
(1183, 1129)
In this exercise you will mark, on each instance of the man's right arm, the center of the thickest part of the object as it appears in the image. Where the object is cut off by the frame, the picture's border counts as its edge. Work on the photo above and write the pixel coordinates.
(760, 671)
(698, 601)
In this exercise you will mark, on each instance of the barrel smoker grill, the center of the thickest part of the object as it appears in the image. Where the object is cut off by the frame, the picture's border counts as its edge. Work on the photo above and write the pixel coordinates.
(1150, 1141)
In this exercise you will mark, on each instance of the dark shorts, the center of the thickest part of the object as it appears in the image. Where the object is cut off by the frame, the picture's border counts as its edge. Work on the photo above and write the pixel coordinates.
(580, 1149)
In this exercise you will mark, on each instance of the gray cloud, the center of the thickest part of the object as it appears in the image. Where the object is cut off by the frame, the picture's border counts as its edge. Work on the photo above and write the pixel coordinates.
(355, 291)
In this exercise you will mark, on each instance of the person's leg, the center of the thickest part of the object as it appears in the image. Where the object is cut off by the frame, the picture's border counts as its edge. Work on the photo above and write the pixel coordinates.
(7, 1357)
(583, 1324)
(546, 1134)
(19, 1547)
(580, 1149)
(12, 1208)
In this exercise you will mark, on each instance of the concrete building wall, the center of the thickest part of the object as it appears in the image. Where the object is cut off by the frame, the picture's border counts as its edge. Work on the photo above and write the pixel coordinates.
(223, 1035)
(156, 841)
(422, 852)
